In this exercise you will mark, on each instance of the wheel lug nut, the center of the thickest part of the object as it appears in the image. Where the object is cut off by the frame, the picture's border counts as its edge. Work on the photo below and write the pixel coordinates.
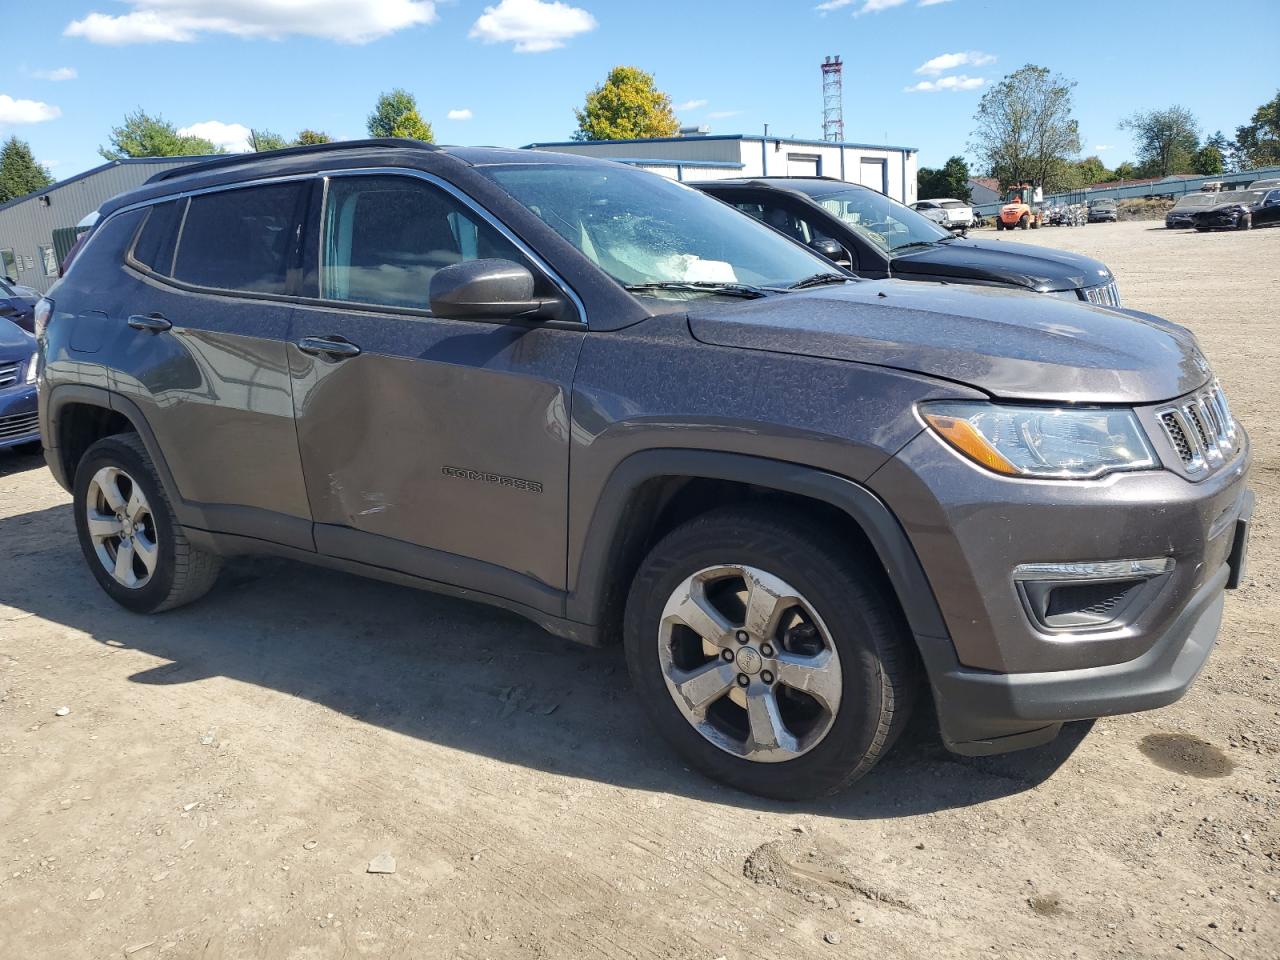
(742, 636)
(766, 651)
(743, 680)
(766, 676)
(728, 654)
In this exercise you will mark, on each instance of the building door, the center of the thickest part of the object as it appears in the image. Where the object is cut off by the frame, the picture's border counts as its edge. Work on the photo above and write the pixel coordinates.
(803, 165)
(873, 172)
(8, 264)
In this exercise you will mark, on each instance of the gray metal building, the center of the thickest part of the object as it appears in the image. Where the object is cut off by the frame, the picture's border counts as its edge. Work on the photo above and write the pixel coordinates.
(28, 251)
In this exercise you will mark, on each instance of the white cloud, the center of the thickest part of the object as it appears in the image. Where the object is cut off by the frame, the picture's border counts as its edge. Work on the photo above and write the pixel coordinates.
(1099, 147)
(533, 26)
(953, 83)
(60, 73)
(182, 21)
(689, 105)
(830, 5)
(26, 111)
(931, 3)
(230, 136)
(875, 6)
(722, 114)
(870, 6)
(463, 114)
(949, 61)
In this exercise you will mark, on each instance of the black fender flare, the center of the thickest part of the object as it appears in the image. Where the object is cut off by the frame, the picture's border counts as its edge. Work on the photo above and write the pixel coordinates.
(589, 594)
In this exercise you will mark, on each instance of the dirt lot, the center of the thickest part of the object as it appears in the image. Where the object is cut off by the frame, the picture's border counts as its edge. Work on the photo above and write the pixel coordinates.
(227, 772)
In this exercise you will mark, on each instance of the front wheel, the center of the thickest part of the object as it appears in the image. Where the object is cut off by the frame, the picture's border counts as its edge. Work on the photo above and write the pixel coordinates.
(1024, 222)
(1246, 222)
(128, 534)
(767, 654)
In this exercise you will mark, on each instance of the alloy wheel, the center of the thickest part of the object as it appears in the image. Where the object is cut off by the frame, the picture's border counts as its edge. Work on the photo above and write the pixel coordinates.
(749, 663)
(122, 527)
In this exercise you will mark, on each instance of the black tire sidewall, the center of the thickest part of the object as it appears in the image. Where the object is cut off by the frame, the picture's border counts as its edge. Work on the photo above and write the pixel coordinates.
(849, 609)
(112, 452)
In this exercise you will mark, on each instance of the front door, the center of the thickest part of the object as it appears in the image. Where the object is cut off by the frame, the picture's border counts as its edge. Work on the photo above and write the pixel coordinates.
(431, 446)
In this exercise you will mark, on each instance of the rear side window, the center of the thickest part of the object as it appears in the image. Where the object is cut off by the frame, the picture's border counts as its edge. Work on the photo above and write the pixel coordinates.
(240, 239)
(154, 246)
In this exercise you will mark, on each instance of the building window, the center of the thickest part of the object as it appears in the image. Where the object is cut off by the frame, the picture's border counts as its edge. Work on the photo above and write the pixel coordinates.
(50, 260)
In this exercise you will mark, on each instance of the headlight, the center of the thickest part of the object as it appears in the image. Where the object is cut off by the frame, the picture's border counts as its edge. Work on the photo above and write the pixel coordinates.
(31, 367)
(1042, 442)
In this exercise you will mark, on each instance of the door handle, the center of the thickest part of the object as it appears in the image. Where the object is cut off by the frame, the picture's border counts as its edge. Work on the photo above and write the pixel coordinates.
(335, 348)
(152, 321)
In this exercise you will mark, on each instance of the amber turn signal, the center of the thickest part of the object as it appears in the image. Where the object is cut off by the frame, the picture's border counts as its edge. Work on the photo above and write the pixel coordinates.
(962, 435)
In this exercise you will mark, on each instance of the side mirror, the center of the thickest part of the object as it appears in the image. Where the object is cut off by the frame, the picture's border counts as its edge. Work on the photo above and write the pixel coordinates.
(489, 290)
(833, 250)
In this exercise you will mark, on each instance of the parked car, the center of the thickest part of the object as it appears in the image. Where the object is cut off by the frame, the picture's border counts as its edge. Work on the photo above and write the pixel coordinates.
(601, 399)
(1240, 210)
(874, 236)
(956, 214)
(17, 304)
(1182, 214)
(1265, 184)
(19, 425)
(1102, 211)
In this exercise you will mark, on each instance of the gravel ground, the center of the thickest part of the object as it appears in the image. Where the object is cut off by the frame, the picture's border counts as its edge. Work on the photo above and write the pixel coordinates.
(227, 772)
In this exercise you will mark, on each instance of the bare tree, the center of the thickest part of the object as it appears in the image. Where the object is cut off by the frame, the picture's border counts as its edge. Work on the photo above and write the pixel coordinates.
(1025, 131)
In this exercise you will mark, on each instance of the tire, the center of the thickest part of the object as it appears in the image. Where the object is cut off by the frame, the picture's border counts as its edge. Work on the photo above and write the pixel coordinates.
(999, 225)
(177, 572)
(1024, 222)
(1246, 222)
(842, 607)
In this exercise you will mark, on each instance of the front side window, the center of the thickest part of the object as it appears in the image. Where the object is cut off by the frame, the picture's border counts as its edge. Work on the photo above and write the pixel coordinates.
(384, 238)
(641, 228)
(240, 239)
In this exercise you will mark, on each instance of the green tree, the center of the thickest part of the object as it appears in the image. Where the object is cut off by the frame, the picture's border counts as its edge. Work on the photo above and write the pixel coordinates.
(627, 106)
(20, 174)
(1025, 129)
(142, 135)
(311, 137)
(1258, 142)
(260, 140)
(1092, 170)
(1208, 161)
(1164, 140)
(396, 115)
(951, 180)
(1125, 171)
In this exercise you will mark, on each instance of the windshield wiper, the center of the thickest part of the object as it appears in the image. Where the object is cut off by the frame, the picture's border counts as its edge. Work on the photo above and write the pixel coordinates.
(699, 286)
(818, 280)
(915, 243)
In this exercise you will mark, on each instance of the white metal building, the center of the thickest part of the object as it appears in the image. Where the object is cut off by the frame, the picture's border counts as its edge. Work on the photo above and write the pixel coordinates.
(36, 230)
(889, 169)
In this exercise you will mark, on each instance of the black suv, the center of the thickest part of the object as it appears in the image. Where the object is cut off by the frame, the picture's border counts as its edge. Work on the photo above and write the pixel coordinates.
(862, 230)
(623, 409)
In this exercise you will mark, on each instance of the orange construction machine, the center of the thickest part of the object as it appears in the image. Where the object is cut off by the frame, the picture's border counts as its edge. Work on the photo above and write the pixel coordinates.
(1021, 208)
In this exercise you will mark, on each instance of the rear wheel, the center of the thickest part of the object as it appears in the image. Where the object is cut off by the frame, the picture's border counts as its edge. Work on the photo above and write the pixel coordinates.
(128, 534)
(767, 653)
(1024, 222)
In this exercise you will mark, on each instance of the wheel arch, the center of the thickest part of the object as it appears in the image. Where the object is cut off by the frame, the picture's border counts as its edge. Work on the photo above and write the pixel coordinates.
(640, 493)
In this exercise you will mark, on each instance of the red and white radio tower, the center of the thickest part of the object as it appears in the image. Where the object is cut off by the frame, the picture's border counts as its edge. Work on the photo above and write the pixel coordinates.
(833, 100)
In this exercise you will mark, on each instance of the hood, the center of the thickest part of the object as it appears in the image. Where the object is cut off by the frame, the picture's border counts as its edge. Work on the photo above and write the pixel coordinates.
(15, 343)
(1022, 264)
(1009, 343)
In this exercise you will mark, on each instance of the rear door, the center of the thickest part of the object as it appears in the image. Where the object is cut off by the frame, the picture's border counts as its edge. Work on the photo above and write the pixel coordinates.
(432, 446)
(194, 331)
(1269, 211)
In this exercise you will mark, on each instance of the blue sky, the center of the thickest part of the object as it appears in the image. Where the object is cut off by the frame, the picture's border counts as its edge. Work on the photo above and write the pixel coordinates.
(518, 67)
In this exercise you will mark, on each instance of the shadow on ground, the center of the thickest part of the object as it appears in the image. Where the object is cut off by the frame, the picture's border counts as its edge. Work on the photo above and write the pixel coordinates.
(451, 672)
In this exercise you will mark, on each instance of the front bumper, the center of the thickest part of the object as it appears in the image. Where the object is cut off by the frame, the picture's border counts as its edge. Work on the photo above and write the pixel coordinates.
(1001, 678)
(19, 420)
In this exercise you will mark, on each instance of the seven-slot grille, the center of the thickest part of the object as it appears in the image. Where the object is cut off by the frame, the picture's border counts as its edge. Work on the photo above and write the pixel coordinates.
(8, 374)
(1104, 295)
(1201, 429)
(22, 425)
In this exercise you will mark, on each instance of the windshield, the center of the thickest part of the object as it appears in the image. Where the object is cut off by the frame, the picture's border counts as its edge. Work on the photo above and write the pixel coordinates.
(1196, 200)
(641, 228)
(954, 204)
(1240, 196)
(890, 225)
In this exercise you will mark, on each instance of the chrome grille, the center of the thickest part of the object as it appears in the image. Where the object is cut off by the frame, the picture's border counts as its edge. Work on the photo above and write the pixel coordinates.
(8, 374)
(1201, 429)
(22, 425)
(1104, 295)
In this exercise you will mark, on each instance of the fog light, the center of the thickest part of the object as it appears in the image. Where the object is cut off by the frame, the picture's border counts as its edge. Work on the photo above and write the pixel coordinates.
(1084, 596)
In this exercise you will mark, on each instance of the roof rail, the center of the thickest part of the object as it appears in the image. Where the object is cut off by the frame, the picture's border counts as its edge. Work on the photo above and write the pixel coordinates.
(240, 159)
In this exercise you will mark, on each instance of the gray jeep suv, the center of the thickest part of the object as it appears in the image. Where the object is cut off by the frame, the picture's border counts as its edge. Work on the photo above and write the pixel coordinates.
(621, 408)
